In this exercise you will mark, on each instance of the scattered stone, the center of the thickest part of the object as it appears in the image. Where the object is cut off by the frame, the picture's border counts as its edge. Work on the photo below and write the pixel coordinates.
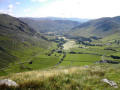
(86, 66)
(8, 82)
(108, 61)
(111, 83)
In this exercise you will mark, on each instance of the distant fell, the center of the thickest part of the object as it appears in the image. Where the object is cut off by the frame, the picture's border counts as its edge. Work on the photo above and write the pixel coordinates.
(99, 27)
(50, 25)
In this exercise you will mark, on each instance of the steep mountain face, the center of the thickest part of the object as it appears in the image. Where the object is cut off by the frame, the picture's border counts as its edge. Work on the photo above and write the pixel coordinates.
(17, 38)
(49, 25)
(100, 27)
(10, 25)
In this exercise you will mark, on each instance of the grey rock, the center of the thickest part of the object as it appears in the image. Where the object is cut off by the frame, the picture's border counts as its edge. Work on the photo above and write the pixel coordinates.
(111, 83)
(8, 82)
(86, 66)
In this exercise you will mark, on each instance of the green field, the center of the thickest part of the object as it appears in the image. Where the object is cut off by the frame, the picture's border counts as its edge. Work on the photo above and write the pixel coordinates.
(38, 62)
(86, 54)
(80, 59)
(94, 49)
(35, 58)
(37, 55)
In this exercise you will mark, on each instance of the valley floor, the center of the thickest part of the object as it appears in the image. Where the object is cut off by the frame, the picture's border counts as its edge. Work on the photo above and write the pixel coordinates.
(72, 54)
(70, 65)
(69, 44)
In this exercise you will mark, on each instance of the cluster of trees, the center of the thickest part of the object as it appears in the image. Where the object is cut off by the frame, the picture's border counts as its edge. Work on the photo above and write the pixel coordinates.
(95, 38)
(87, 43)
(109, 48)
(117, 42)
(64, 55)
(60, 42)
(115, 57)
(52, 51)
(2, 49)
(81, 39)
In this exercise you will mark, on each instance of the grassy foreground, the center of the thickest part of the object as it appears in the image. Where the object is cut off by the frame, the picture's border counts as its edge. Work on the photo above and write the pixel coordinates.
(67, 78)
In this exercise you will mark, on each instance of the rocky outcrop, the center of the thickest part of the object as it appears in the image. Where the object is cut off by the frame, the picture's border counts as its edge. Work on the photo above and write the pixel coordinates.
(111, 83)
(8, 82)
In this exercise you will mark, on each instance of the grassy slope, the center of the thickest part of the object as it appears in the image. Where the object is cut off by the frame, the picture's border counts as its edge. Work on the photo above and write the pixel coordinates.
(72, 78)
(99, 27)
(111, 38)
(19, 44)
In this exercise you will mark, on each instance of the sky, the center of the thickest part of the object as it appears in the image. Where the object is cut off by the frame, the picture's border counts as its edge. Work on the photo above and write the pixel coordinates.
(89, 9)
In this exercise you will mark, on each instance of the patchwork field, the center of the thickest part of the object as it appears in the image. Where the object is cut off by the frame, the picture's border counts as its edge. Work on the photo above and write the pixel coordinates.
(87, 54)
(80, 59)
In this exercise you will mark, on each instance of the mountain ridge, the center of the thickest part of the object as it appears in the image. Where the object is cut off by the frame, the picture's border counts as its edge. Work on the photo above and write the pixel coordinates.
(99, 27)
(48, 25)
(58, 18)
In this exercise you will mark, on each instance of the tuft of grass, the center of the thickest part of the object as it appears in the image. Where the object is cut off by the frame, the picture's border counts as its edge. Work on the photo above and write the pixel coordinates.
(64, 78)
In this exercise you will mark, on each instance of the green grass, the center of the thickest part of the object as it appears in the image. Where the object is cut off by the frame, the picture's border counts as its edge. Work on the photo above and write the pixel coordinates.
(38, 62)
(90, 55)
(16, 52)
(116, 54)
(64, 78)
(93, 49)
(111, 38)
(19, 43)
(79, 59)
(38, 56)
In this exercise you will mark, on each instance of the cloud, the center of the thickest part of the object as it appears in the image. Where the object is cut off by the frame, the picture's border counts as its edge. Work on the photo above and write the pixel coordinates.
(8, 11)
(39, 0)
(17, 3)
(27, 10)
(2, 11)
(10, 6)
(80, 8)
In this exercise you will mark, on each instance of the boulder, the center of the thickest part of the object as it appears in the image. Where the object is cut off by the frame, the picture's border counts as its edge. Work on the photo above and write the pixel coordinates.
(8, 82)
(111, 83)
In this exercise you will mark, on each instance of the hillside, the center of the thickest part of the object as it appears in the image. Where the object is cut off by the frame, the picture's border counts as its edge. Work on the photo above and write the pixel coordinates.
(19, 42)
(99, 27)
(64, 78)
(78, 60)
(50, 26)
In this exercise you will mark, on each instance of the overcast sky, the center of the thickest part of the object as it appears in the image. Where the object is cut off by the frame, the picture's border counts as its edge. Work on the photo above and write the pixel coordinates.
(61, 8)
